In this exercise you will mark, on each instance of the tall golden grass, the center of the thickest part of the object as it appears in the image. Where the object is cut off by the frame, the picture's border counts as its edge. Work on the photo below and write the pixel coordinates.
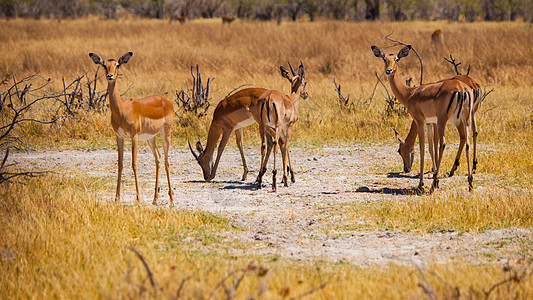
(250, 53)
(58, 240)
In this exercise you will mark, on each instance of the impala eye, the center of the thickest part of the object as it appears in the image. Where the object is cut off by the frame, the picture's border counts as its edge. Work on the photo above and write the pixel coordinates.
(396, 60)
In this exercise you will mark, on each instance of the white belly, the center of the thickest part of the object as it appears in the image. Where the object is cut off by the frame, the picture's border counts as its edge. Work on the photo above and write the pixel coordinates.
(432, 120)
(244, 123)
(146, 136)
(121, 133)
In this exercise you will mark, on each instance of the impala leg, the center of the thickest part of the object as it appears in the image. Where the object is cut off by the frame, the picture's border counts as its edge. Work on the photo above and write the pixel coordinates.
(421, 139)
(474, 138)
(134, 148)
(223, 142)
(274, 170)
(265, 154)
(166, 147)
(155, 152)
(238, 139)
(431, 144)
(439, 139)
(462, 141)
(283, 148)
(262, 167)
(470, 177)
(290, 170)
(120, 148)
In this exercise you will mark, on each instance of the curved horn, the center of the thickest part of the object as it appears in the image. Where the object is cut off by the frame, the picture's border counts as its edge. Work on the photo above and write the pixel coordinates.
(292, 70)
(397, 136)
(192, 151)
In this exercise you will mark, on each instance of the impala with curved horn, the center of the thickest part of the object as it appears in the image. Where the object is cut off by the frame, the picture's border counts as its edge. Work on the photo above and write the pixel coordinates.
(406, 149)
(231, 115)
(138, 120)
(432, 104)
(279, 112)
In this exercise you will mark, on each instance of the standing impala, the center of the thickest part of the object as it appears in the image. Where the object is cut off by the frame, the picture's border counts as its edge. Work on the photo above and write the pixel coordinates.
(139, 120)
(279, 112)
(433, 104)
(406, 147)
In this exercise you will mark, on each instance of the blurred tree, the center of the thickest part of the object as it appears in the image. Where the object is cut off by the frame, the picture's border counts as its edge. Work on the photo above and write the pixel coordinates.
(372, 10)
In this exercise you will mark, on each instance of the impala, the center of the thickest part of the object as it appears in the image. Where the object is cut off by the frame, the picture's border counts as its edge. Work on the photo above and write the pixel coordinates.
(231, 114)
(406, 147)
(433, 104)
(279, 112)
(139, 120)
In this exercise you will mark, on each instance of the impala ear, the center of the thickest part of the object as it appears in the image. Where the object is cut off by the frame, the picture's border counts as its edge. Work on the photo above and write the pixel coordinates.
(125, 58)
(96, 59)
(285, 73)
(199, 147)
(377, 52)
(404, 52)
(301, 70)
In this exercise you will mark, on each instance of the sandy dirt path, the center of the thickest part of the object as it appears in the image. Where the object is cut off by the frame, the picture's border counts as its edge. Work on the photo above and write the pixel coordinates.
(299, 222)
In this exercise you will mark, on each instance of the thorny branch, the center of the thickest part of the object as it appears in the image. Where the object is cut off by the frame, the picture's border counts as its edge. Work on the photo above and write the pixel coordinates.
(456, 65)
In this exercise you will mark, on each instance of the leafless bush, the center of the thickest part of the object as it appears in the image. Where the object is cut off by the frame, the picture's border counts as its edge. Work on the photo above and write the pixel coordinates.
(351, 106)
(24, 101)
(195, 99)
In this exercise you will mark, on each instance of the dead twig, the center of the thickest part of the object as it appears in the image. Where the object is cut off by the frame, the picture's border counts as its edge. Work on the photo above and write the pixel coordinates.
(515, 277)
(240, 86)
(148, 271)
(456, 65)
(311, 291)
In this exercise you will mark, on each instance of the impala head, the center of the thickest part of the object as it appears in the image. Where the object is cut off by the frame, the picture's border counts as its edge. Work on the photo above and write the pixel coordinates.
(297, 81)
(407, 153)
(204, 162)
(111, 65)
(391, 60)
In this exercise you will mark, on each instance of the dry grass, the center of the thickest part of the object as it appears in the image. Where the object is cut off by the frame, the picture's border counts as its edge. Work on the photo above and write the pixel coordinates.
(69, 244)
(458, 211)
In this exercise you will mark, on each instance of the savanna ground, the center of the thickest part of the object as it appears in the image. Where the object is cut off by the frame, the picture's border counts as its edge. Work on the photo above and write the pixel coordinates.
(345, 229)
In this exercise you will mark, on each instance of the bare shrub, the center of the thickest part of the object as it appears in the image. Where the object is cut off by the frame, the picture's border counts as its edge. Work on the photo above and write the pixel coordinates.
(196, 98)
(24, 101)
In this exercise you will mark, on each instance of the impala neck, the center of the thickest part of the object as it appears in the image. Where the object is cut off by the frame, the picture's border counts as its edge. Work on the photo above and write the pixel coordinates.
(115, 101)
(296, 91)
(411, 137)
(400, 90)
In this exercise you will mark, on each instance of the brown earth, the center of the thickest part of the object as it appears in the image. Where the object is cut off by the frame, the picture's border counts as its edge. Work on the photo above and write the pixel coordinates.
(297, 222)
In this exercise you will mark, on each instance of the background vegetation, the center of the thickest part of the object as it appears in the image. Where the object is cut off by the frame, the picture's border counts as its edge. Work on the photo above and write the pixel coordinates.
(356, 10)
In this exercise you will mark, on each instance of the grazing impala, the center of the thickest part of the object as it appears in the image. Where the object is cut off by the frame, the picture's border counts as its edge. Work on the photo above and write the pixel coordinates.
(279, 112)
(234, 112)
(231, 114)
(433, 104)
(406, 147)
(139, 120)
